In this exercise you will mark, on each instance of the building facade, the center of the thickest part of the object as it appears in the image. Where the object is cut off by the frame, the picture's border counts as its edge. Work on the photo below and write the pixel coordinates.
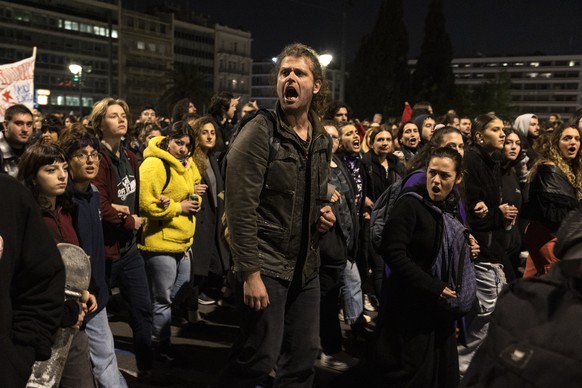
(125, 53)
(233, 66)
(146, 56)
(65, 32)
(539, 84)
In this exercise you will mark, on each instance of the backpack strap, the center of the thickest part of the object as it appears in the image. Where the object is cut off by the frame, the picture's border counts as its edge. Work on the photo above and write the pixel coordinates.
(168, 173)
(274, 143)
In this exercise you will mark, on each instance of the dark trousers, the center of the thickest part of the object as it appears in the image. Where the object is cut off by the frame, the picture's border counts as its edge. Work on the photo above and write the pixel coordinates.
(129, 274)
(78, 371)
(330, 331)
(285, 335)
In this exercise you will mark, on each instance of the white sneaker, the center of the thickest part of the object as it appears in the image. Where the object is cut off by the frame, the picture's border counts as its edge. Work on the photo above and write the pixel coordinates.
(333, 361)
(368, 305)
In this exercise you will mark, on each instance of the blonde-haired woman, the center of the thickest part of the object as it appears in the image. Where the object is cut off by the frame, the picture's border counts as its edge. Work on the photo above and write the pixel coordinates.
(555, 189)
(118, 184)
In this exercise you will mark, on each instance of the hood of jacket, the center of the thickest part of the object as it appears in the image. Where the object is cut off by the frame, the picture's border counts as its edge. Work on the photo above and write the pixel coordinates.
(521, 123)
(153, 150)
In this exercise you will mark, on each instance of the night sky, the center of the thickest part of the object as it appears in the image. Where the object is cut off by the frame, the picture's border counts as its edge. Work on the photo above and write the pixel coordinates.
(490, 27)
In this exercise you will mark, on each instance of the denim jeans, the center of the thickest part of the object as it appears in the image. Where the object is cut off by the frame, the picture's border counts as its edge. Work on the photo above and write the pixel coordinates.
(351, 293)
(130, 275)
(284, 336)
(102, 351)
(168, 274)
(490, 280)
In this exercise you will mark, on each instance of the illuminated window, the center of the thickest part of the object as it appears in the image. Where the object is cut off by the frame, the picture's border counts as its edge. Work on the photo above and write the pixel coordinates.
(140, 45)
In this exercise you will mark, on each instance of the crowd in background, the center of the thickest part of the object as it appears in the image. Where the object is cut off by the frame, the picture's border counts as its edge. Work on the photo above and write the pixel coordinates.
(145, 200)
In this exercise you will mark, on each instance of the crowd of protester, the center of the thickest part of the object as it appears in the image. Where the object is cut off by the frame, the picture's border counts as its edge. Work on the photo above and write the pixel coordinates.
(145, 199)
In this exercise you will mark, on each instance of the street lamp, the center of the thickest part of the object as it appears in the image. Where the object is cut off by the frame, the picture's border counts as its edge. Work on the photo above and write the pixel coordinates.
(77, 71)
(325, 59)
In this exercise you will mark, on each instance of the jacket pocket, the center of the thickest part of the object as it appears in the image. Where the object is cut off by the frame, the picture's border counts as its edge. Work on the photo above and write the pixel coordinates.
(281, 174)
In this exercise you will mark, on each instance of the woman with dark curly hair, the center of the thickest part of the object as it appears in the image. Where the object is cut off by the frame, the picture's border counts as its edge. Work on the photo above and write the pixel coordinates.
(555, 189)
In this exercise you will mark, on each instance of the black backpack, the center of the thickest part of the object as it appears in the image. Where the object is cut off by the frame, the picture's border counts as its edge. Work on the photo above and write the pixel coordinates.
(534, 337)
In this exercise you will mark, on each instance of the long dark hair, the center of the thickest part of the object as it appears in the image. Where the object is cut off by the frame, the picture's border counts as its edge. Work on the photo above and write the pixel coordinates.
(423, 156)
(179, 130)
(36, 156)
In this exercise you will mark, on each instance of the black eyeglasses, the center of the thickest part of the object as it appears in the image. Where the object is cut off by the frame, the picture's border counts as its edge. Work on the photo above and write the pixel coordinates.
(82, 157)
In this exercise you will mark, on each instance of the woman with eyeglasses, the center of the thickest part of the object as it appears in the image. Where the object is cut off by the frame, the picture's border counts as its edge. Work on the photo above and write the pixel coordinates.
(82, 149)
(169, 204)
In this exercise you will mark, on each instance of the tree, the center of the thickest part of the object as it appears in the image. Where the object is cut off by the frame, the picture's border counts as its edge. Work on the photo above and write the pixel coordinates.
(433, 79)
(184, 81)
(379, 77)
(491, 96)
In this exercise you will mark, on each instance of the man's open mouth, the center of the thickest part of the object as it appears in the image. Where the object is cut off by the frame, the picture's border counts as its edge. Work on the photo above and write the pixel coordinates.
(291, 93)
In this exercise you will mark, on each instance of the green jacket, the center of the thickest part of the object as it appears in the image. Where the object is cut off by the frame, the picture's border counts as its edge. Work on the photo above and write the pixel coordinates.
(272, 207)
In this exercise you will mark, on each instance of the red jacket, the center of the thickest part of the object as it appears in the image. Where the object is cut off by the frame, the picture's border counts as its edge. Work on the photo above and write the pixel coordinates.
(106, 183)
(60, 223)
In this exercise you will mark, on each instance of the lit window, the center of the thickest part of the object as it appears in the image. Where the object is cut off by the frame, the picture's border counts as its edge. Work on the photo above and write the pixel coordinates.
(532, 75)
(114, 34)
(534, 64)
(140, 45)
(572, 63)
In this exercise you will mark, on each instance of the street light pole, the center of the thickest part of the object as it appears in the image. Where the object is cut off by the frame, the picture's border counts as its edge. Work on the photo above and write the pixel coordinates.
(77, 71)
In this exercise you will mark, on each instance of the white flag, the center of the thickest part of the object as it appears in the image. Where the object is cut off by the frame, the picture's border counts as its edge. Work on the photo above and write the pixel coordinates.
(17, 84)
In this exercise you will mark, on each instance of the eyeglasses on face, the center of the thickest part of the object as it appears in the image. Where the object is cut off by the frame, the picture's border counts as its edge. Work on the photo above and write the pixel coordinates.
(83, 157)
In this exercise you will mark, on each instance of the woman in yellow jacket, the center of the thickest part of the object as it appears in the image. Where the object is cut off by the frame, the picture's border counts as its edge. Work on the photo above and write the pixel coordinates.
(168, 203)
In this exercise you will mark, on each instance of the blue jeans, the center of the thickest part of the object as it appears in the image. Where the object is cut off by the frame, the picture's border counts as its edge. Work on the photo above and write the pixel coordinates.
(102, 351)
(129, 274)
(169, 274)
(284, 336)
(490, 280)
(351, 293)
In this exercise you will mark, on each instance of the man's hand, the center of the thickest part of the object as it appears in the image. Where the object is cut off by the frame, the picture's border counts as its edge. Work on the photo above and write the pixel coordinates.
(326, 220)
(254, 291)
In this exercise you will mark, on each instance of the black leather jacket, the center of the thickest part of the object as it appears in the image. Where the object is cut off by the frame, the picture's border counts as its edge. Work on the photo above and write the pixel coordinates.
(551, 196)
(272, 207)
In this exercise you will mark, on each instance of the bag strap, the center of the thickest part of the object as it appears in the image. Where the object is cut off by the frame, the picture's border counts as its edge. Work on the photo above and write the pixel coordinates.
(168, 173)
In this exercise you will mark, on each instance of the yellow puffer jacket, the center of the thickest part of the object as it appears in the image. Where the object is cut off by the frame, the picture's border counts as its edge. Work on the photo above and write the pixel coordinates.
(166, 230)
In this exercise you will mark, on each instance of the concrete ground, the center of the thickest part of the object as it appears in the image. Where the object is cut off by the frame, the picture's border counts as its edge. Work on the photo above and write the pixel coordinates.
(203, 349)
